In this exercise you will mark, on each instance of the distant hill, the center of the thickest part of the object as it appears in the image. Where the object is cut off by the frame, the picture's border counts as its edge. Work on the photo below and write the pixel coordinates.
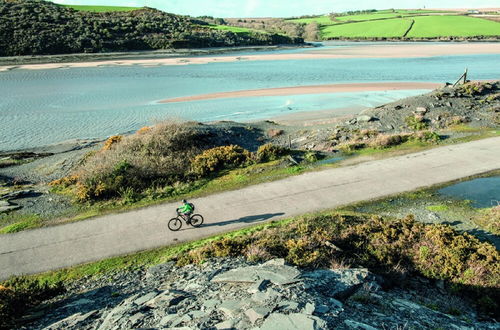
(36, 27)
(405, 24)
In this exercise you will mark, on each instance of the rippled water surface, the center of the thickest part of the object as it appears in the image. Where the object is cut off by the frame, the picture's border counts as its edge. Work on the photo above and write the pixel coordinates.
(40, 107)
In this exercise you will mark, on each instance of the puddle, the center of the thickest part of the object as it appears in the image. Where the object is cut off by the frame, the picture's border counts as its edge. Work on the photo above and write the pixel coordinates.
(483, 192)
(330, 160)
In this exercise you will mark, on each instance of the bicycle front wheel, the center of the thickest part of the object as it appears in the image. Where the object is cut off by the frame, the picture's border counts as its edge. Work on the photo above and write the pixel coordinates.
(196, 220)
(174, 224)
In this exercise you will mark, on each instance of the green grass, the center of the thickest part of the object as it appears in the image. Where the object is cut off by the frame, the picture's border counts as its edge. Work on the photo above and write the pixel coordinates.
(391, 28)
(100, 9)
(368, 17)
(21, 222)
(234, 29)
(438, 208)
(321, 20)
(456, 26)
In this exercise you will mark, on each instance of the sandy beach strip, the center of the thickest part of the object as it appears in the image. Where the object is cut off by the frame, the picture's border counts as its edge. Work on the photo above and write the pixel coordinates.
(355, 51)
(314, 89)
(401, 49)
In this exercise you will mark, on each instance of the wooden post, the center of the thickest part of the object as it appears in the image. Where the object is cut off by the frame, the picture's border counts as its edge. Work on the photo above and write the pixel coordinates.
(462, 77)
(289, 142)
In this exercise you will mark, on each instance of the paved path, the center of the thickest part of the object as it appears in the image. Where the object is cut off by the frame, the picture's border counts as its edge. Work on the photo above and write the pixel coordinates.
(66, 245)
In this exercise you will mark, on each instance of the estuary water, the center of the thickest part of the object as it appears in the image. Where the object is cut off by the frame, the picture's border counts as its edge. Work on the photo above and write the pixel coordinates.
(41, 107)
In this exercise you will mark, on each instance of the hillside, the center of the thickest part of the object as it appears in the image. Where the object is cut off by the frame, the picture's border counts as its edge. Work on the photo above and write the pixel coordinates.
(403, 24)
(35, 27)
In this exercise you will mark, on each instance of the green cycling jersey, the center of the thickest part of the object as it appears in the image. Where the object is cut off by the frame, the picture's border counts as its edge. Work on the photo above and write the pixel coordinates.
(186, 208)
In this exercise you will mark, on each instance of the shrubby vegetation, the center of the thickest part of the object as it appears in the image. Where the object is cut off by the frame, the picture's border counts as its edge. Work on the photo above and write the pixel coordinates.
(474, 88)
(21, 293)
(158, 156)
(220, 158)
(161, 161)
(307, 31)
(32, 27)
(396, 248)
(269, 152)
(376, 140)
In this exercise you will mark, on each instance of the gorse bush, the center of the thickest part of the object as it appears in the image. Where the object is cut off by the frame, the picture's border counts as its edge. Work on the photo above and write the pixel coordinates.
(426, 136)
(158, 156)
(388, 140)
(416, 122)
(474, 88)
(383, 245)
(269, 152)
(112, 141)
(220, 158)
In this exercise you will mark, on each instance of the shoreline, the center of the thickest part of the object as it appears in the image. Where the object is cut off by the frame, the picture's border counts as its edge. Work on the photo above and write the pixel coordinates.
(395, 50)
(313, 89)
(139, 54)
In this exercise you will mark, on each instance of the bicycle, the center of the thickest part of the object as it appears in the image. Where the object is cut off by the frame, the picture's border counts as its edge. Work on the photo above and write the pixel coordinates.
(194, 220)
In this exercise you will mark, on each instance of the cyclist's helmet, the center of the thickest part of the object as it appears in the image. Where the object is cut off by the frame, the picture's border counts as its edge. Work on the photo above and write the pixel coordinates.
(184, 201)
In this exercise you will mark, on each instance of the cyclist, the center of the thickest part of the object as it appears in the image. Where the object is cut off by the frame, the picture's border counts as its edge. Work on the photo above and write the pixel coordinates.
(186, 210)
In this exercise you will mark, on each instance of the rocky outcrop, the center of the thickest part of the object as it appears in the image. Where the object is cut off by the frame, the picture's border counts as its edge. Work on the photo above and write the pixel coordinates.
(234, 294)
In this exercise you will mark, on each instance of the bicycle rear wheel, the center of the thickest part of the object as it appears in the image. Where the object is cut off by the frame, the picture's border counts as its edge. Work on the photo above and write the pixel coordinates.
(196, 220)
(174, 224)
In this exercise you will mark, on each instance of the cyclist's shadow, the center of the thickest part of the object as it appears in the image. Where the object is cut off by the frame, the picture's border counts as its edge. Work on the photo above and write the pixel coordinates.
(247, 219)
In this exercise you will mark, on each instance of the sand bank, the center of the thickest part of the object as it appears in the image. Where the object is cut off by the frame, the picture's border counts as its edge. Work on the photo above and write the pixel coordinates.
(315, 89)
(355, 51)
(409, 50)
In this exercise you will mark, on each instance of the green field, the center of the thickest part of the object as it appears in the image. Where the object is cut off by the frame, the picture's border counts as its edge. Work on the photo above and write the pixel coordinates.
(234, 29)
(395, 23)
(321, 20)
(390, 28)
(368, 17)
(100, 9)
(455, 26)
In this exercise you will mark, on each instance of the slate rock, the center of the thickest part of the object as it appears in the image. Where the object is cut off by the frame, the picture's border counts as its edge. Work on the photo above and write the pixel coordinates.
(358, 325)
(6, 206)
(226, 325)
(309, 309)
(338, 283)
(258, 286)
(80, 302)
(231, 307)
(278, 321)
(257, 313)
(145, 298)
(321, 309)
(288, 305)
(365, 119)
(159, 271)
(167, 298)
(273, 271)
(72, 321)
